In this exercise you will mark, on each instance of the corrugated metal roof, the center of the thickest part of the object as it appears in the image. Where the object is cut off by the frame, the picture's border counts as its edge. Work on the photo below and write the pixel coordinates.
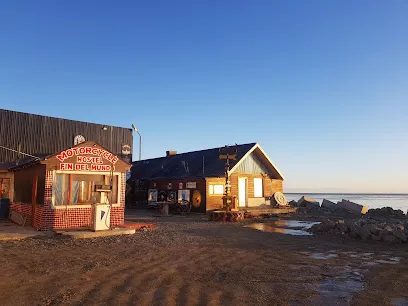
(205, 163)
(42, 135)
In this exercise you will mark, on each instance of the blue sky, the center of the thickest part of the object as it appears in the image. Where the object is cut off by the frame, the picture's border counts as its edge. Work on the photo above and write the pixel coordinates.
(321, 85)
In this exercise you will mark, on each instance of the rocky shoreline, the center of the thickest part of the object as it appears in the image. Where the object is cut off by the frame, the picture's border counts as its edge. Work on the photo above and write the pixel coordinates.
(388, 231)
(344, 219)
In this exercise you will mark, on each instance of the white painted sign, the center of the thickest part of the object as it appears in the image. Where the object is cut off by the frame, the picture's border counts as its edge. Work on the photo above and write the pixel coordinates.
(191, 185)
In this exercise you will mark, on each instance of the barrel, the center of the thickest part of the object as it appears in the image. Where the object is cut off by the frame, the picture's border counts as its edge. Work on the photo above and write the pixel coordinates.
(4, 208)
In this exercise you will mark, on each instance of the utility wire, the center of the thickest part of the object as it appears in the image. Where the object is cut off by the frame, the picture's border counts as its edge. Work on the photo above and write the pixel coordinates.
(15, 151)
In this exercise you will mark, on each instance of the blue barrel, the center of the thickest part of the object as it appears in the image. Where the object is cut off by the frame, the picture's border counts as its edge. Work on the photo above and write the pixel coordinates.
(4, 208)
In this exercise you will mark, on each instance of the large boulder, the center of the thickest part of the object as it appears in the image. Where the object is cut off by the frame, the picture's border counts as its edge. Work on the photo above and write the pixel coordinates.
(352, 207)
(309, 203)
(364, 232)
(389, 238)
(329, 205)
(400, 235)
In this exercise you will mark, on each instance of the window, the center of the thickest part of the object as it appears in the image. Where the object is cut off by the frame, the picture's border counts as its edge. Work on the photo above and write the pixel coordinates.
(77, 189)
(258, 190)
(4, 188)
(217, 189)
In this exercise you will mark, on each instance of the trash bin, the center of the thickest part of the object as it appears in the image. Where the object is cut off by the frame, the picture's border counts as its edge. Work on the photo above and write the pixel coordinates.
(4, 208)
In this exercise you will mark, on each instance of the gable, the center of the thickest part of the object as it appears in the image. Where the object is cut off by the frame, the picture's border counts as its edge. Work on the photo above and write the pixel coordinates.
(251, 165)
(256, 161)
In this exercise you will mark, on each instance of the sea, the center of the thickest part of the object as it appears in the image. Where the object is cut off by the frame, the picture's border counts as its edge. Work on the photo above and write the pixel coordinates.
(396, 201)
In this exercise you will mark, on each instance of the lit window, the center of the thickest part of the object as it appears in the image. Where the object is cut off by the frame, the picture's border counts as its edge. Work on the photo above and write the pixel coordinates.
(75, 189)
(258, 191)
(217, 189)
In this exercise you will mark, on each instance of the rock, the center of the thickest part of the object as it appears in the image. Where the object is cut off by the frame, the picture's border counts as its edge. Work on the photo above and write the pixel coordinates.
(399, 213)
(400, 235)
(389, 238)
(329, 205)
(352, 207)
(308, 202)
(376, 237)
(353, 229)
(328, 225)
(388, 228)
(386, 212)
(316, 228)
(364, 232)
(341, 226)
(293, 203)
(374, 229)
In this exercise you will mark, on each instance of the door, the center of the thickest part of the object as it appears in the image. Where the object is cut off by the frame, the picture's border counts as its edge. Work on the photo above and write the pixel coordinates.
(242, 191)
(34, 199)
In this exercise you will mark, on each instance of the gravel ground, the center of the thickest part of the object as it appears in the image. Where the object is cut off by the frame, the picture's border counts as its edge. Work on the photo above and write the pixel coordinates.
(190, 261)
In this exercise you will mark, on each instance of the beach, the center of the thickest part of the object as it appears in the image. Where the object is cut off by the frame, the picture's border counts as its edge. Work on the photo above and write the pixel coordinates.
(187, 260)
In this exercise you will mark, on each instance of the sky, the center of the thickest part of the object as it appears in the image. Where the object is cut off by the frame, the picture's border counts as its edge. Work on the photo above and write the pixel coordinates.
(321, 85)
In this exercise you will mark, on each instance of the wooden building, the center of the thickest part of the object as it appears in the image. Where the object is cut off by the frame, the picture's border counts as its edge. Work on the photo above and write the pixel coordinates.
(41, 136)
(59, 191)
(199, 177)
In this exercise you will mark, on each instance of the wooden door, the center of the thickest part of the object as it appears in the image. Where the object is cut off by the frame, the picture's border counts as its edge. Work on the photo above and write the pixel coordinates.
(34, 198)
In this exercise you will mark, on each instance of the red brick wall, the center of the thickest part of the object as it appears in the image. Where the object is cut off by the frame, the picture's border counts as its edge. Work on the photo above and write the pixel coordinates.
(46, 217)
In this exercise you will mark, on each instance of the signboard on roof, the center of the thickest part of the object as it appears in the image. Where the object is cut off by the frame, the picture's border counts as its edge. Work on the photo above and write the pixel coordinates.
(86, 158)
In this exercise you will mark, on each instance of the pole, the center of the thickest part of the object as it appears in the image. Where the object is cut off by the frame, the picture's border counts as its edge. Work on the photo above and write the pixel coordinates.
(140, 146)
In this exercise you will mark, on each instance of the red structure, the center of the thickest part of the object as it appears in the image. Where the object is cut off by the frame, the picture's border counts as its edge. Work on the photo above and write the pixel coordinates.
(59, 191)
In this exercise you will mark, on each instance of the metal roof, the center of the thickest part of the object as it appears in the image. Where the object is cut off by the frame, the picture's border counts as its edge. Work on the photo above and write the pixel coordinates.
(204, 163)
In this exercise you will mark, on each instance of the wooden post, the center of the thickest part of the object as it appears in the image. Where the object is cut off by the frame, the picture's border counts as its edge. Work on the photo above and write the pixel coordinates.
(34, 198)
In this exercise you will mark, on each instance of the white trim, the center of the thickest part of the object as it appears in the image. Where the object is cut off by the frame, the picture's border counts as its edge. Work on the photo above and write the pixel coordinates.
(69, 206)
(256, 146)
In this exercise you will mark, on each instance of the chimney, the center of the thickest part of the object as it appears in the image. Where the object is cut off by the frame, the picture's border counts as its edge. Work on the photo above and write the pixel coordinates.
(170, 153)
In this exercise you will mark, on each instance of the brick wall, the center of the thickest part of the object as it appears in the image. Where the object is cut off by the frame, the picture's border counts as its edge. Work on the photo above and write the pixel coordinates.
(46, 217)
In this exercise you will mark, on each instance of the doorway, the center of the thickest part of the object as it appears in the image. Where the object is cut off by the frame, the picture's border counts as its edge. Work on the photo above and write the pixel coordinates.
(242, 191)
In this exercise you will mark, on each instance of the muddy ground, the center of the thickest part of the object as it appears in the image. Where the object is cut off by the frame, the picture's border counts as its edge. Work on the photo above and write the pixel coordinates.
(190, 261)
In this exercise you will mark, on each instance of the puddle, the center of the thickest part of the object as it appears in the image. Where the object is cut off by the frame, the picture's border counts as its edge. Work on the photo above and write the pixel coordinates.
(339, 289)
(323, 256)
(399, 302)
(289, 227)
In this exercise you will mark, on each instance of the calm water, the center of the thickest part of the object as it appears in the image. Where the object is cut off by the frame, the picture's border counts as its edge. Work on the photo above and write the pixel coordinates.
(396, 201)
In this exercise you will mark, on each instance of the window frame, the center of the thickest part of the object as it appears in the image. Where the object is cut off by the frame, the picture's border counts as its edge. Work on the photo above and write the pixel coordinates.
(212, 192)
(72, 206)
(258, 179)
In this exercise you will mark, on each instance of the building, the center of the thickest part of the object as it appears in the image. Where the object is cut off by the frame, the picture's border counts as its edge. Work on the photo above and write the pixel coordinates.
(199, 177)
(59, 191)
(24, 136)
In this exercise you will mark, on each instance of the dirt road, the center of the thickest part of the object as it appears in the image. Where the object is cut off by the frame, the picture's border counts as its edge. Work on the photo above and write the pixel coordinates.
(189, 261)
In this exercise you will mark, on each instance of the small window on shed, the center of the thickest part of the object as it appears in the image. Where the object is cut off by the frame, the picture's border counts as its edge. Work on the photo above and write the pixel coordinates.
(217, 189)
(258, 190)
